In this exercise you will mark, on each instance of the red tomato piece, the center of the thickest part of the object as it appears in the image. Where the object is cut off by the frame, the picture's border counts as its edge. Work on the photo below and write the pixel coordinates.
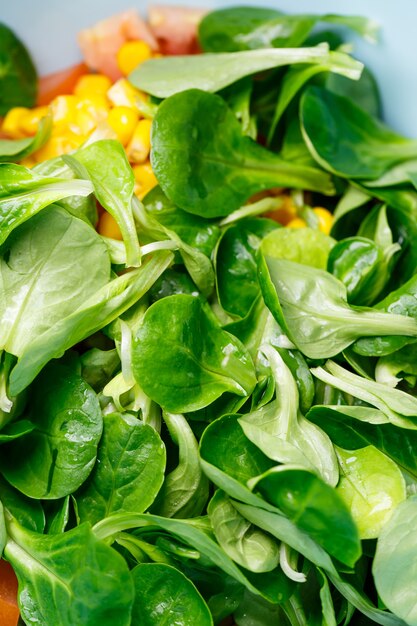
(59, 83)
(175, 28)
(9, 611)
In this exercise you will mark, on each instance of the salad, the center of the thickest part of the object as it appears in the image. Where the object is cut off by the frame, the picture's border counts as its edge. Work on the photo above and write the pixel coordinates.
(208, 366)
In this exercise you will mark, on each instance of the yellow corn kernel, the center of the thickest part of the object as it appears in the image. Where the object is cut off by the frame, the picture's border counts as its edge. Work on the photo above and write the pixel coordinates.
(91, 85)
(285, 213)
(29, 122)
(107, 226)
(123, 121)
(122, 93)
(325, 219)
(145, 179)
(59, 144)
(91, 111)
(132, 54)
(140, 144)
(64, 110)
(297, 223)
(11, 122)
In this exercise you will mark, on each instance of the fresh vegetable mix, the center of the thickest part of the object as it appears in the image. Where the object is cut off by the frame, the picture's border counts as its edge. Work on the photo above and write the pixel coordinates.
(208, 329)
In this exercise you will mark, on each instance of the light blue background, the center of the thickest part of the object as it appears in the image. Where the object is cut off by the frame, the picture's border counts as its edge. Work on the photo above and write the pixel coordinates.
(49, 28)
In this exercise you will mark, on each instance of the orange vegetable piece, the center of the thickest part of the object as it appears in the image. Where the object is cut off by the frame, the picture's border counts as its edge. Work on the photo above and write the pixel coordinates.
(9, 611)
(59, 83)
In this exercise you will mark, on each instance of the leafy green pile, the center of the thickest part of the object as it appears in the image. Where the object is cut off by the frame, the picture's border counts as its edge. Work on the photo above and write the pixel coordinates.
(217, 416)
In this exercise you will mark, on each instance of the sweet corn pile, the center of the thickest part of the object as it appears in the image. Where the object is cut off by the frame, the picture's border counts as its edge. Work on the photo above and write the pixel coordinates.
(114, 109)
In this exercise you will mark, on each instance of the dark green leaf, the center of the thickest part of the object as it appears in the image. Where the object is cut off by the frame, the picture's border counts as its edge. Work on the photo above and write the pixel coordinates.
(189, 172)
(55, 459)
(202, 362)
(165, 596)
(18, 78)
(129, 471)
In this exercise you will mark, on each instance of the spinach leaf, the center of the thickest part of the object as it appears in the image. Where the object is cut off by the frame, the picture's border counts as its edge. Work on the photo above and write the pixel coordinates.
(93, 314)
(164, 595)
(371, 485)
(311, 305)
(170, 75)
(128, 473)
(399, 407)
(393, 566)
(194, 230)
(364, 92)
(249, 27)
(186, 489)
(347, 430)
(14, 430)
(28, 512)
(196, 262)
(302, 245)
(24, 193)
(296, 77)
(216, 149)
(183, 359)
(107, 167)
(363, 266)
(402, 301)
(314, 507)
(247, 545)
(18, 149)
(43, 277)
(18, 78)
(346, 140)
(283, 433)
(235, 262)
(55, 459)
(69, 578)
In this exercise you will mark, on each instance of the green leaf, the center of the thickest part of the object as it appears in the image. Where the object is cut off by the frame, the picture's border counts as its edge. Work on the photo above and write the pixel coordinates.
(170, 75)
(235, 262)
(193, 230)
(24, 193)
(18, 78)
(372, 486)
(247, 545)
(165, 596)
(43, 277)
(69, 578)
(128, 473)
(315, 508)
(28, 512)
(18, 149)
(394, 562)
(184, 360)
(55, 459)
(347, 430)
(346, 140)
(15, 430)
(189, 172)
(97, 311)
(282, 432)
(311, 305)
(186, 489)
(107, 167)
(250, 27)
(302, 245)
(401, 301)
(294, 80)
(399, 407)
